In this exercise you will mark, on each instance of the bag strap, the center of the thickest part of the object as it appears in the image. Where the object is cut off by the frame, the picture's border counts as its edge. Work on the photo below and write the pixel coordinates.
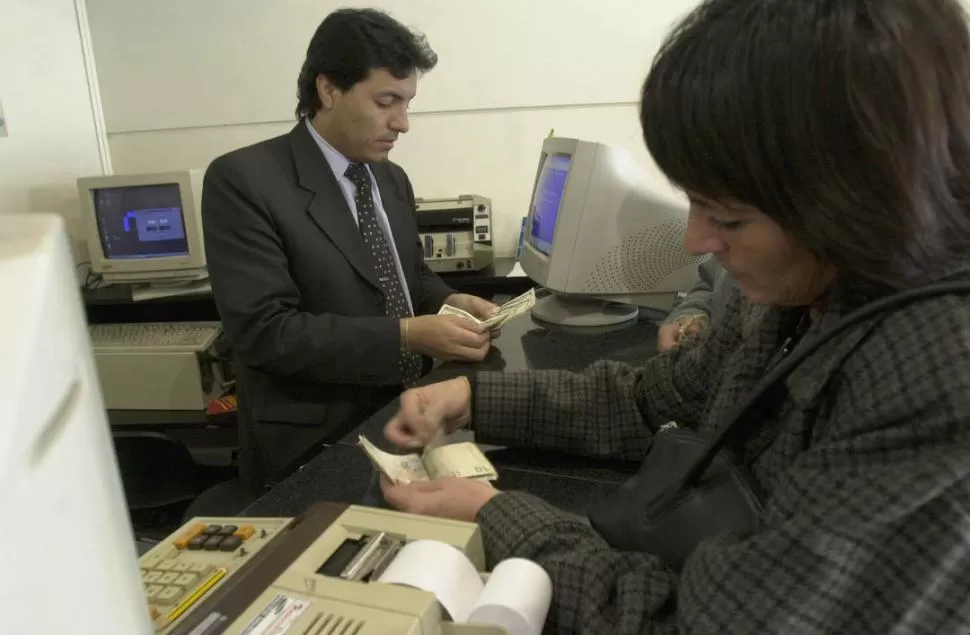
(781, 370)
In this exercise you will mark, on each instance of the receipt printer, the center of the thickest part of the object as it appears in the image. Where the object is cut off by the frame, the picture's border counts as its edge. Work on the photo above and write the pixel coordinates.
(456, 233)
(312, 574)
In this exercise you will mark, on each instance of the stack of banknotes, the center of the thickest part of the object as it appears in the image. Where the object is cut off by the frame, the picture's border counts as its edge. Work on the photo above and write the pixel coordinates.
(515, 306)
(462, 460)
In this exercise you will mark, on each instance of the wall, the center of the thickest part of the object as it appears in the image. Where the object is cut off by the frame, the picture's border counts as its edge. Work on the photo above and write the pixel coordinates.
(51, 112)
(184, 81)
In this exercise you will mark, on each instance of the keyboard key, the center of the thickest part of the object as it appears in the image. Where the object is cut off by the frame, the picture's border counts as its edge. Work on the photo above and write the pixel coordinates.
(182, 542)
(200, 568)
(230, 543)
(187, 580)
(212, 543)
(169, 595)
(168, 578)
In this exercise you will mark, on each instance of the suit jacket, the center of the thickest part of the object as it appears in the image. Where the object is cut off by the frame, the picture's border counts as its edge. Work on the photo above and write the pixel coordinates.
(295, 289)
(864, 454)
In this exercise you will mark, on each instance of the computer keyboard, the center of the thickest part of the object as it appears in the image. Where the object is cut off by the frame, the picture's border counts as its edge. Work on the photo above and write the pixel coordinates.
(154, 336)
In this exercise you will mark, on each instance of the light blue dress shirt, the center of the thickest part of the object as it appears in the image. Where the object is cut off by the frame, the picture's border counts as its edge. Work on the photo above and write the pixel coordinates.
(339, 163)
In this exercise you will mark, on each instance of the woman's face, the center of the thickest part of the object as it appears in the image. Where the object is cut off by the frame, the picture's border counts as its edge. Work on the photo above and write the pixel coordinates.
(768, 265)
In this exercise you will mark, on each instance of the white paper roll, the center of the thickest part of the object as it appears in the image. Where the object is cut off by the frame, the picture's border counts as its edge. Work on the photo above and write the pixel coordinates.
(517, 596)
(441, 569)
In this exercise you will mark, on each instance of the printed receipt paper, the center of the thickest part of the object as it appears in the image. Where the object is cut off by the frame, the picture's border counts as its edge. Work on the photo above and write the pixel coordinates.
(462, 460)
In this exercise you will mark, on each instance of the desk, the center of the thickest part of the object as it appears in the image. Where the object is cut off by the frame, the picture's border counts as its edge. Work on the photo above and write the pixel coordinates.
(114, 304)
(342, 472)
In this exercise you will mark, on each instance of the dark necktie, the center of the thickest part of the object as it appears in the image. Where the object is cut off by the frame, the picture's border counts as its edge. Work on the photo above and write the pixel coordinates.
(395, 302)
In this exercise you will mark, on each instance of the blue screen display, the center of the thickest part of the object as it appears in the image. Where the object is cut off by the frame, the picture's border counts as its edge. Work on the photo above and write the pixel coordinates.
(548, 197)
(142, 221)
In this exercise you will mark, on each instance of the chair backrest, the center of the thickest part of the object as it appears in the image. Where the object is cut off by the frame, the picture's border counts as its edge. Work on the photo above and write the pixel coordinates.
(156, 470)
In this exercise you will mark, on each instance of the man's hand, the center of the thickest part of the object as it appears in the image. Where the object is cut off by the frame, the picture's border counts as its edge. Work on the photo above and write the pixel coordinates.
(448, 338)
(429, 410)
(671, 333)
(479, 307)
(449, 497)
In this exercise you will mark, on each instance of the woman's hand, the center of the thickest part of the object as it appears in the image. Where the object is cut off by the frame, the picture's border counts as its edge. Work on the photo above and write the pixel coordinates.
(454, 498)
(429, 410)
(671, 333)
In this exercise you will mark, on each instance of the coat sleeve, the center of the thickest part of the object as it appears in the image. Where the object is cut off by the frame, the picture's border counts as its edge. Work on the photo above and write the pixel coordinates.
(863, 532)
(700, 299)
(608, 411)
(259, 302)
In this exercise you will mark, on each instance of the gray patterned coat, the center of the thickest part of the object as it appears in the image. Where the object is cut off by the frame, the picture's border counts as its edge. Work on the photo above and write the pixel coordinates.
(867, 470)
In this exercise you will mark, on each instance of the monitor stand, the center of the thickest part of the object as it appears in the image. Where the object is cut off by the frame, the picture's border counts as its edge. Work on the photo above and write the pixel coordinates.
(580, 311)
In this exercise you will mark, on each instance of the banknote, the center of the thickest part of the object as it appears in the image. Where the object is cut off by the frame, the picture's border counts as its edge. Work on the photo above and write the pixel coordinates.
(462, 460)
(514, 307)
(447, 309)
(405, 468)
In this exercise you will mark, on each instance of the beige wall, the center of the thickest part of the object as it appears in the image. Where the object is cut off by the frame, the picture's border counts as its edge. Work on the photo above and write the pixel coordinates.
(183, 81)
(51, 111)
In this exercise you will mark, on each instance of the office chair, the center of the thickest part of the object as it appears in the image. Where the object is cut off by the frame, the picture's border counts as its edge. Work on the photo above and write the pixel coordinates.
(156, 470)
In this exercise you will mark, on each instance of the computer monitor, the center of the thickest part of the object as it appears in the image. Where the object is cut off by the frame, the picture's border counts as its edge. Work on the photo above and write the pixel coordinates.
(600, 238)
(70, 564)
(145, 228)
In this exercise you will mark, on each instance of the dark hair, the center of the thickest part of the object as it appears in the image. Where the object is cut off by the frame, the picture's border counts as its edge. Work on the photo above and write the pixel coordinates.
(349, 44)
(845, 121)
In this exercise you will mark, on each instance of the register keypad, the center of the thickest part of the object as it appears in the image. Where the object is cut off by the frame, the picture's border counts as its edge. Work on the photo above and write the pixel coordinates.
(182, 569)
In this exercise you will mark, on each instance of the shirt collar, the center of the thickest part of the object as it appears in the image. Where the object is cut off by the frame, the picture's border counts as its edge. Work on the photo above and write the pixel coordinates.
(338, 162)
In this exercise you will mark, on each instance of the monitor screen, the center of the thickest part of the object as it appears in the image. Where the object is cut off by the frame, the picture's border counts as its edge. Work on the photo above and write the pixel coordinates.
(546, 201)
(143, 221)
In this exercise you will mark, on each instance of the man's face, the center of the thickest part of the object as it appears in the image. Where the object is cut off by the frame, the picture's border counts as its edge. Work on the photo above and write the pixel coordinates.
(364, 122)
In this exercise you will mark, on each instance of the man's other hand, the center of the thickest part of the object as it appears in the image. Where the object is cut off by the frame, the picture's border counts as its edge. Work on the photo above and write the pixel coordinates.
(448, 338)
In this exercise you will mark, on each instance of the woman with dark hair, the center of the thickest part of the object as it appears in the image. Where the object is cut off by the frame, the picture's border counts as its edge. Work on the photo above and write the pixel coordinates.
(825, 149)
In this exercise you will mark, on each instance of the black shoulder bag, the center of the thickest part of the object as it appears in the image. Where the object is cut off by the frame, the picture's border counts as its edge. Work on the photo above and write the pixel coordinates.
(689, 487)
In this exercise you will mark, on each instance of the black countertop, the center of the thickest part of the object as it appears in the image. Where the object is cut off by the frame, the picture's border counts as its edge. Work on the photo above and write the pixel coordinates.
(342, 472)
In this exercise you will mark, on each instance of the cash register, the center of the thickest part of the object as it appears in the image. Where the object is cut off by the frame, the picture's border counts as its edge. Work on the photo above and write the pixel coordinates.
(312, 574)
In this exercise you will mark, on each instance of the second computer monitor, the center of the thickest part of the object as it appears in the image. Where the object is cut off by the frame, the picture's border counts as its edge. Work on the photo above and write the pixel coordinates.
(601, 238)
(145, 228)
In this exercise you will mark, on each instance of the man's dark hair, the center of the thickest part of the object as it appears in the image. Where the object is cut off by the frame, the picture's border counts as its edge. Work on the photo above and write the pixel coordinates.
(845, 121)
(349, 44)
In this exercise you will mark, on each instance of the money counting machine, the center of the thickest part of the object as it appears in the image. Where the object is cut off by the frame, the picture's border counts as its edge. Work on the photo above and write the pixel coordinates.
(456, 233)
(310, 575)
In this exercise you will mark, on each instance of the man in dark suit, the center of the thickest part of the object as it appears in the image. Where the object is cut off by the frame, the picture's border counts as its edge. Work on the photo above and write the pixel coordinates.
(314, 257)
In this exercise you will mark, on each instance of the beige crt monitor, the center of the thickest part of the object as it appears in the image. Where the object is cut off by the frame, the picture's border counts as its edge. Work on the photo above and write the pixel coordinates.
(145, 228)
(600, 238)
